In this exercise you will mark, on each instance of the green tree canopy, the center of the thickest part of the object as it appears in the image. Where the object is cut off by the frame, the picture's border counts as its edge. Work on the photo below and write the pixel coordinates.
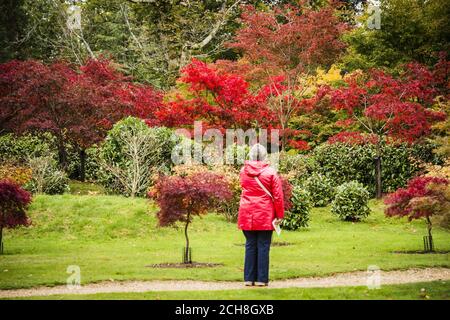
(409, 30)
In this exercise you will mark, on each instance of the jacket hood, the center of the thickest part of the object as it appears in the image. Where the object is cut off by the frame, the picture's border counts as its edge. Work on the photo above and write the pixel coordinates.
(254, 168)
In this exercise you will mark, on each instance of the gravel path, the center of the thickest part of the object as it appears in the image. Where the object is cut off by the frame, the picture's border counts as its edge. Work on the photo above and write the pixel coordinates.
(358, 278)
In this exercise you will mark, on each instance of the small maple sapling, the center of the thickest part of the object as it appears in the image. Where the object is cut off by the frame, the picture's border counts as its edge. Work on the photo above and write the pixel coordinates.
(13, 204)
(181, 198)
(422, 197)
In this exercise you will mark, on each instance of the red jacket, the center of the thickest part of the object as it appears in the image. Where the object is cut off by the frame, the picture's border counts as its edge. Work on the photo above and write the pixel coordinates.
(257, 210)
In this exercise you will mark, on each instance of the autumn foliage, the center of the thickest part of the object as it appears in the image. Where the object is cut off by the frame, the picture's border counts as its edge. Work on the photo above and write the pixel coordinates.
(385, 105)
(278, 46)
(423, 197)
(76, 104)
(281, 46)
(20, 175)
(14, 202)
(352, 137)
(418, 200)
(288, 40)
(56, 98)
(181, 198)
(221, 100)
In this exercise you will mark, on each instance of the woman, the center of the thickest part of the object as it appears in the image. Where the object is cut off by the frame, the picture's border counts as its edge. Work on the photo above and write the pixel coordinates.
(261, 204)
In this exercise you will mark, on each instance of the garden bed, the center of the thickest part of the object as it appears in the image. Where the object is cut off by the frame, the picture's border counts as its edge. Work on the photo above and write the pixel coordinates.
(274, 244)
(185, 265)
(422, 252)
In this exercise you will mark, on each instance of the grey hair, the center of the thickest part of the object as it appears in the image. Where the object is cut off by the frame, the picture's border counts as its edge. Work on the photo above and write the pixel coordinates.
(258, 152)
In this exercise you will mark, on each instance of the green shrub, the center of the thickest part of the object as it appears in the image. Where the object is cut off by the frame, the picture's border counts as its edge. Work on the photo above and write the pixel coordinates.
(46, 177)
(18, 149)
(298, 215)
(344, 162)
(235, 155)
(425, 152)
(351, 201)
(296, 167)
(131, 153)
(230, 208)
(320, 188)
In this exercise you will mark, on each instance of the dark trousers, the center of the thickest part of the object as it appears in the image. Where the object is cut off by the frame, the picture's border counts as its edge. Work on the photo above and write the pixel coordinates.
(257, 247)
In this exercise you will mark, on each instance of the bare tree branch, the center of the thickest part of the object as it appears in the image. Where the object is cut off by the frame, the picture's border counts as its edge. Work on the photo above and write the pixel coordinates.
(216, 28)
(139, 151)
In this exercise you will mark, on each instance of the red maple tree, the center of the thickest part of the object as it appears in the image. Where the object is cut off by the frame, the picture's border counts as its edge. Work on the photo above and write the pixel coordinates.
(290, 39)
(385, 106)
(279, 47)
(75, 105)
(221, 100)
(261, 90)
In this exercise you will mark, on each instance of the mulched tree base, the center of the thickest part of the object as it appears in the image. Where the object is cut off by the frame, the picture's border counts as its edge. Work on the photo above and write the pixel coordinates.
(422, 252)
(185, 265)
(281, 244)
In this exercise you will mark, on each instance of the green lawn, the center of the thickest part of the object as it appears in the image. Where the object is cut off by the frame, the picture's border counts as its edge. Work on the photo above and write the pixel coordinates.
(112, 237)
(84, 188)
(436, 290)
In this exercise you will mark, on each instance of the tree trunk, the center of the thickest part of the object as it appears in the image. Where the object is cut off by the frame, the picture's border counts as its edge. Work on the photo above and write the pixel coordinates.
(1, 240)
(430, 237)
(82, 165)
(283, 137)
(379, 187)
(62, 154)
(186, 252)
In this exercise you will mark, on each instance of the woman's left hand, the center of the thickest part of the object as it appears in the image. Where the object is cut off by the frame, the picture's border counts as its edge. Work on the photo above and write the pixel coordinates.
(278, 221)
